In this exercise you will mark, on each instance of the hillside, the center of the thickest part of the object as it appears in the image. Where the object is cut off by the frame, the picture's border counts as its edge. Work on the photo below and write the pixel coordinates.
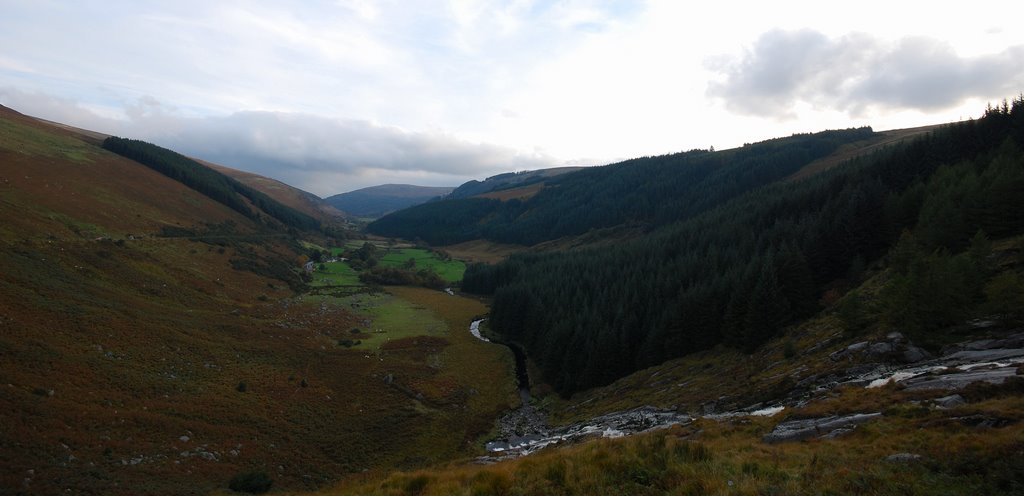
(376, 201)
(791, 323)
(298, 199)
(157, 340)
(748, 265)
(509, 180)
(903, 375)
(646, 192)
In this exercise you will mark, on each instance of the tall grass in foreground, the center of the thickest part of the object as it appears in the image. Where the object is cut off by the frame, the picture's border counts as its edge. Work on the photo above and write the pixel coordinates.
(728, 457)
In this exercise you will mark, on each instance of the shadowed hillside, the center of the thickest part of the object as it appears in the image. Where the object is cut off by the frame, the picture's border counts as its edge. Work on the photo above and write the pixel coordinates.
(376, 201)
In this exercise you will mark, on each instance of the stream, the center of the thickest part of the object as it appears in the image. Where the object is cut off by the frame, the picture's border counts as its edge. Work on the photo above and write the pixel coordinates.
(525, 429)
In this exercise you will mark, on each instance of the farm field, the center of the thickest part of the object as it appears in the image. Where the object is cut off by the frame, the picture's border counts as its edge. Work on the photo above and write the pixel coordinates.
(449, 270)
(335, 274)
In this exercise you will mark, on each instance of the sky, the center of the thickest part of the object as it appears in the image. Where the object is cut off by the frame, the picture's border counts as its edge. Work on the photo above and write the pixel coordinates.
(332, 96)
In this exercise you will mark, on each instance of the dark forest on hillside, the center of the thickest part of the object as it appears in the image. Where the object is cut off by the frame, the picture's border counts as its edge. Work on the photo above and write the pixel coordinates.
(743, 255)
(207, 181)
(647, 192)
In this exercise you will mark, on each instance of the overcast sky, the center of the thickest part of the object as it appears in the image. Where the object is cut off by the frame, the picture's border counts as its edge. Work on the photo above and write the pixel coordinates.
(332, 96)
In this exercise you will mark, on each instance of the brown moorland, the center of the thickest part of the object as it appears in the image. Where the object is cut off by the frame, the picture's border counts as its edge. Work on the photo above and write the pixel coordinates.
(134, 362)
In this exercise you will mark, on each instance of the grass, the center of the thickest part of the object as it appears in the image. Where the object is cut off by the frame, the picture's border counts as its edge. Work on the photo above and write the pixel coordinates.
(727, 457)
(144, 342)
(391, 319)
(33, 141)
(449, 270)
(335, 274)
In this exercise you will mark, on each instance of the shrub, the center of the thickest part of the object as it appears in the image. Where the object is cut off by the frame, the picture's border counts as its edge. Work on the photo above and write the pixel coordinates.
(255, 482)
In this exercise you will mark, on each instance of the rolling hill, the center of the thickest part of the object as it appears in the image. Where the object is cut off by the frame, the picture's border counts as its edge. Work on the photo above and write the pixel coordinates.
(156, 339)
(377, 201)
(646, 192)
(509, 181)
(300, 200)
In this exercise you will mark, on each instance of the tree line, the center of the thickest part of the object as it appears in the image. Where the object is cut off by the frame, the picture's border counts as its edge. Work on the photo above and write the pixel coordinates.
(647, 192)
(215, 185)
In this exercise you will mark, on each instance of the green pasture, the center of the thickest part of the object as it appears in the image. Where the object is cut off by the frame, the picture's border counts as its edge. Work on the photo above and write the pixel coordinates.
(336, 274)
(391, 318)
(451, 270)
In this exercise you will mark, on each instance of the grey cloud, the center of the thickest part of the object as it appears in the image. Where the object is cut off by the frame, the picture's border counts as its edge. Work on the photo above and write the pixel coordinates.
(310, 148)
(856, 72)
(318, 154)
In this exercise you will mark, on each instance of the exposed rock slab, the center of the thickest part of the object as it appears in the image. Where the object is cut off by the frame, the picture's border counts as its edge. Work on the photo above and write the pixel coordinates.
(798, 430)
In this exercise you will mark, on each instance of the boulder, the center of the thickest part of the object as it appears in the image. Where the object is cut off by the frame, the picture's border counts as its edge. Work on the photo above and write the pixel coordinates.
(950, 401)
(913, 354)
(880, 349)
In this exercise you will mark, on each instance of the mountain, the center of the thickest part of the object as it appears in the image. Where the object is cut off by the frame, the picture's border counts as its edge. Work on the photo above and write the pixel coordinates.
(300, 200)
(830, 330)
(509, 181)
(737, 251)
(838, 312)
(646, 192)
(376, 201)
(159, 335)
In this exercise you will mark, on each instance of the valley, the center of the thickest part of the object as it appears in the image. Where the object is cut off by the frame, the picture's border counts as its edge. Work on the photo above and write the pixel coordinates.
(791, 317)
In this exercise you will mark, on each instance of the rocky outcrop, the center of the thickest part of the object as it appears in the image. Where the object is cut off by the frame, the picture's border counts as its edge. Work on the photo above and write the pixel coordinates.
(894, 348)
(827, 428)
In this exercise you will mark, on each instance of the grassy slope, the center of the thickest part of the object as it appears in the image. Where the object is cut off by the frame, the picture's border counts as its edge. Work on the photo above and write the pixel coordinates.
(290, 196)
(123, 353)
(727, 457)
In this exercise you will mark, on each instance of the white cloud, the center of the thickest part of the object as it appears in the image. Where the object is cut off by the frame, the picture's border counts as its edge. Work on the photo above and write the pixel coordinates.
(858, 73)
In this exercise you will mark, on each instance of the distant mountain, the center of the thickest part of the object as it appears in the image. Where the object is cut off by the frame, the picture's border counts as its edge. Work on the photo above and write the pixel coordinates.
(377, 201)
(508, 181)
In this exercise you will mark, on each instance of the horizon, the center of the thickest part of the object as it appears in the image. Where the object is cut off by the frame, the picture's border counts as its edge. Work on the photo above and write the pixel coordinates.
(335, 97)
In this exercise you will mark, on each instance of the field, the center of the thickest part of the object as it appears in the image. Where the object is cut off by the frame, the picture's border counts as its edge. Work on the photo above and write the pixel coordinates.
(335, 274)
(449, 270)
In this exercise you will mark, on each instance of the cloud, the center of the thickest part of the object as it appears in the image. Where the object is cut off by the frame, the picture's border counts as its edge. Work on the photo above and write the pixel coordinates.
(278, 143)
(856, 73)
(318, 154)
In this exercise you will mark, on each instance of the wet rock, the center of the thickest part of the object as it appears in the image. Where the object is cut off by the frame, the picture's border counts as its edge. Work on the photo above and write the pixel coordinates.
(857, 347)
(798, 430)
(951, 401)
(903, 458)
(913, 354)
(880, 349)
(988, 354)
(959, 380)
(983, 421)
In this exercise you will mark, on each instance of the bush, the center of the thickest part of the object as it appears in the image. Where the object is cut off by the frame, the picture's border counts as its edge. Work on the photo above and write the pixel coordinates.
(255, 482)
